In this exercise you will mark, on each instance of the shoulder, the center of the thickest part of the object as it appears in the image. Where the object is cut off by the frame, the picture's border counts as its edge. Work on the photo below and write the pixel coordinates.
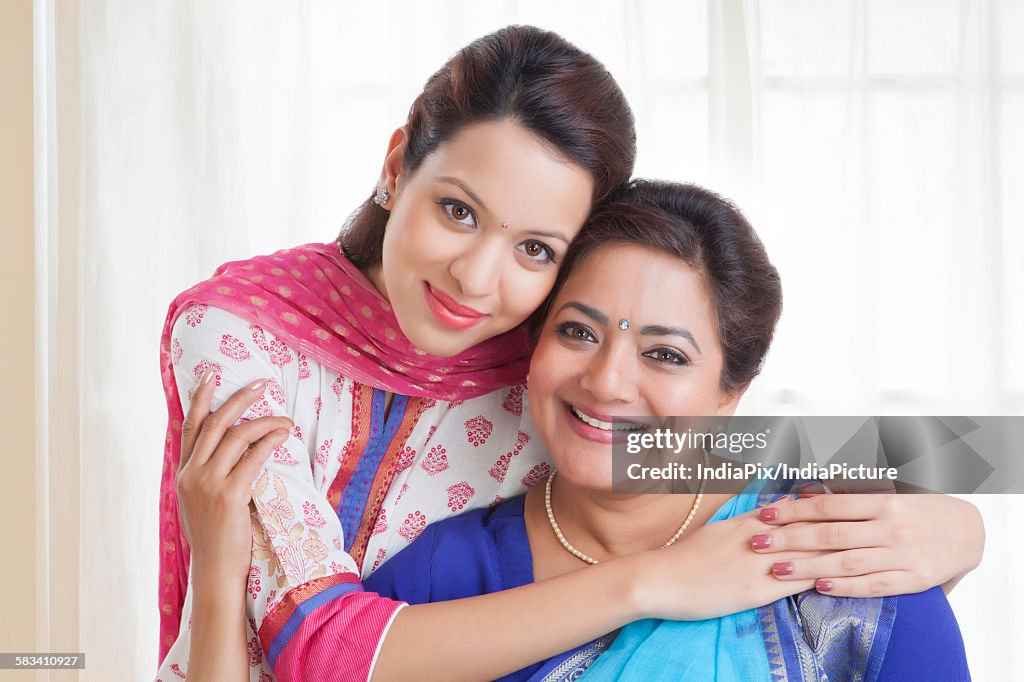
(239, 352)
(925, 640)
(227, 336)
(457, 557)
(474, 536)
(200, 320)
(482, 529)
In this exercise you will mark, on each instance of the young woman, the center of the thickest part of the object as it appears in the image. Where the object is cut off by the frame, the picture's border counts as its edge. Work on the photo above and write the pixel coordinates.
(398, 344)
(385, 378)
(665, 307)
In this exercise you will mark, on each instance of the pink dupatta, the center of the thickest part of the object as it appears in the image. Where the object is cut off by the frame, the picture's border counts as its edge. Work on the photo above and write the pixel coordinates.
(319, 304)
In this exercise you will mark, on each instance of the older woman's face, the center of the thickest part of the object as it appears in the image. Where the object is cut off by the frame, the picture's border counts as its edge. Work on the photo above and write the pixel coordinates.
(587, 369)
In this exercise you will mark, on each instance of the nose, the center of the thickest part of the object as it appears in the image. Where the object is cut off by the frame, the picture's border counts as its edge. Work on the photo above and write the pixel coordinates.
(477, 268)
(612, 374)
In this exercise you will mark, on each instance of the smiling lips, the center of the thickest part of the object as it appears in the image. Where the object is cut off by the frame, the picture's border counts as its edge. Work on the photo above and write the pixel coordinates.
(595, 428)
(448, 311)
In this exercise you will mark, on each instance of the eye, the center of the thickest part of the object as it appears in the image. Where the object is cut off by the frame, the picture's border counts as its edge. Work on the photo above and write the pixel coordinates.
(667, 356)
(458, 212)
(574, 331)
(536, 251)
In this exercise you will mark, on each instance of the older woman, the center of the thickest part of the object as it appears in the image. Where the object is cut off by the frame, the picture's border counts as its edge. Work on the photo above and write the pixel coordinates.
(666, 306)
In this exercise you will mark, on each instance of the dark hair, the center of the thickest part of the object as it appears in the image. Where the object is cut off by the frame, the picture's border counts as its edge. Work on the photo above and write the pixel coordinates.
(533, 77)
(711, 235)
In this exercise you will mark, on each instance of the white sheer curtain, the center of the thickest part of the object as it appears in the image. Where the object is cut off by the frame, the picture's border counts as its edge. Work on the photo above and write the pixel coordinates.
(870, 142)
(885, 178)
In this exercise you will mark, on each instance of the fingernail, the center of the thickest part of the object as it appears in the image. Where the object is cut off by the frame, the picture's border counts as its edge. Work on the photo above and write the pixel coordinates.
(813, 489)
(823, 586)
(280, 433)
(768, 514)
(762, 541)
(782, 568)
(257, 385)
(207, 375)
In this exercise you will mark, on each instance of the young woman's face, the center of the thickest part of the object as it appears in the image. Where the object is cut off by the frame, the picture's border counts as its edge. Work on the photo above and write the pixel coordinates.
(475, 235)
(587, 370)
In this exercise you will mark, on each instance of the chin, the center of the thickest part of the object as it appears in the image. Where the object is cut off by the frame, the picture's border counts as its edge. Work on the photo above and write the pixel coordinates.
(590, 469)
(598, 480)
(434, 343)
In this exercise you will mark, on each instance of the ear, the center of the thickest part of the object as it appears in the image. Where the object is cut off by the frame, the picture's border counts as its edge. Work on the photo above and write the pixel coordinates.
(392, 175)
(729, 402)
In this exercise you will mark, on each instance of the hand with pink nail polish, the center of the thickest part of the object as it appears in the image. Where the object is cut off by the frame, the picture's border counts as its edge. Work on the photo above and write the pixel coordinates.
(712, 572)
(873, 544)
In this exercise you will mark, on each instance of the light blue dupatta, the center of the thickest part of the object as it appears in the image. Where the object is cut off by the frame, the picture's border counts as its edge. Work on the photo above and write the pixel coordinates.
(802, 638)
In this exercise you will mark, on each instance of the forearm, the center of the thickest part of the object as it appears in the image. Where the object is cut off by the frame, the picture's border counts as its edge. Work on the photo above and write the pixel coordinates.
(218, 643)
(492, 635)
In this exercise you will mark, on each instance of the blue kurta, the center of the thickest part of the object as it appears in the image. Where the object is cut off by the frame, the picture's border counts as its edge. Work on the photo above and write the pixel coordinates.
(914, 637)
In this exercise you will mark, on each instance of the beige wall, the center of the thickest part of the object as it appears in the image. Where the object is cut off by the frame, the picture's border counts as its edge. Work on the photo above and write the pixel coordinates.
(17, 354)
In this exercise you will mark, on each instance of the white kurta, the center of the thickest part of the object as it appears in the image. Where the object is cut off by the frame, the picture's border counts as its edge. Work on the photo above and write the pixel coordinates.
(445, 457)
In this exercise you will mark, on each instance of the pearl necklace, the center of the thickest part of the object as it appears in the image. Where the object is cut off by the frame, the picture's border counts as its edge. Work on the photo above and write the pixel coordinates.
(589, 559)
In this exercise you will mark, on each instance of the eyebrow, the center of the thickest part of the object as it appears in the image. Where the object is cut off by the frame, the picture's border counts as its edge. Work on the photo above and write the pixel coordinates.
(646, 330)
(592, 313)
(554, 235)
(660, 330)
(472, 195)
(461, 185)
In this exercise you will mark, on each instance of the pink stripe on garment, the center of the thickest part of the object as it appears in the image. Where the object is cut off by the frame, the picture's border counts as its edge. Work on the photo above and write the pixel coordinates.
(337, 641)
